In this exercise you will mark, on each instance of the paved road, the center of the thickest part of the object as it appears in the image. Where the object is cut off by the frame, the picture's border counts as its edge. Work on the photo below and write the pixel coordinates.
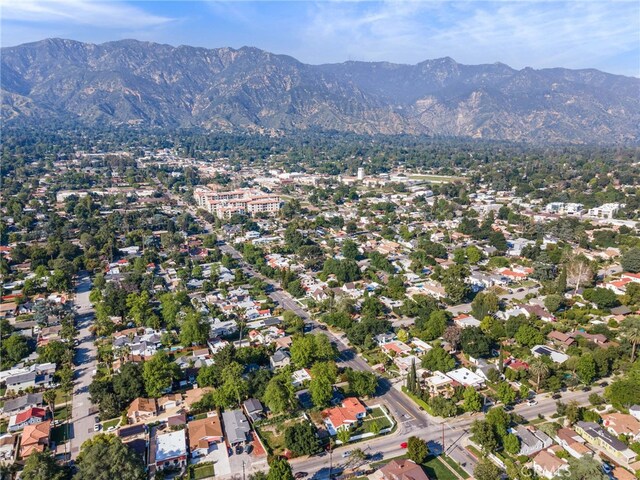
(455, 431)
(85, 361)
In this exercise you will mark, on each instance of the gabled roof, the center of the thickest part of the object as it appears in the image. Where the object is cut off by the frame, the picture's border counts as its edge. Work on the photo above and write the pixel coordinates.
(201, 430)
(403, 470)
(31, 412)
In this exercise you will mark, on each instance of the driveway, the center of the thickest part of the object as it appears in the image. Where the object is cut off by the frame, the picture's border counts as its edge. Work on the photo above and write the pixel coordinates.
(219, 456)
(83, 416)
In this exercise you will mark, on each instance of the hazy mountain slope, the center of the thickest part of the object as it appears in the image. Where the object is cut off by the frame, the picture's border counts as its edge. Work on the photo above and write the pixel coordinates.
(139, 82)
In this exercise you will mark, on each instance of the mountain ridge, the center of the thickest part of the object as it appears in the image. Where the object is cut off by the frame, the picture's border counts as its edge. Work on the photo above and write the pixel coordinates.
(249, 89)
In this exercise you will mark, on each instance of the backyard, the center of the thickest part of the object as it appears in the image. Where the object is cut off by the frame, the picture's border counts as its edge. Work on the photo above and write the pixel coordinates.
(273, 434)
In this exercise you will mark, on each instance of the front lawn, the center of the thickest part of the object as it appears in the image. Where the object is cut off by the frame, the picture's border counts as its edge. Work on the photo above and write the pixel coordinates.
(203, 471)
(110, 423)
(434, 468)
(62, 413)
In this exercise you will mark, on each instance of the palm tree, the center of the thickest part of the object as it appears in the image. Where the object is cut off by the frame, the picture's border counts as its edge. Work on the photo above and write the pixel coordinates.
(539, 369)
(50, 398)
(631, 327)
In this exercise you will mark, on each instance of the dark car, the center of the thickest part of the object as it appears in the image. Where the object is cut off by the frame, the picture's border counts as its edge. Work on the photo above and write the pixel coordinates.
(508, 408)
(322, 327)
(604, 384)
(249, 449)
(301, 475)
(556, 396)
(586, 389)
(238, 449)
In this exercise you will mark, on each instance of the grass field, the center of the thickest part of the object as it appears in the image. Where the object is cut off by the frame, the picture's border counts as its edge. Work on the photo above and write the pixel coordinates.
(110, 423)
(453, 464)
(434, 468)
(203, 471)
(273, 435)
(62, 413)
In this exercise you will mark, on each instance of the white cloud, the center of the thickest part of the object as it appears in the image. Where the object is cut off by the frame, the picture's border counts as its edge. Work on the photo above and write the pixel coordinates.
(540, 34)
(110, 15)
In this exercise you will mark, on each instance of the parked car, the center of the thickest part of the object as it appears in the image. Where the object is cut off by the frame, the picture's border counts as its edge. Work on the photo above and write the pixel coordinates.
(238, 449)
(346, 454)
(249, 449)
(586, 389)
(604, 384)
(532, 402)
(403, 445)
(301, 475)
(97, 427)
(606, 468)
(556, 396)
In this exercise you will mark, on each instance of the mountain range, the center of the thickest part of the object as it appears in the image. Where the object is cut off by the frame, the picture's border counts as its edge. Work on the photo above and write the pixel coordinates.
(248, 89)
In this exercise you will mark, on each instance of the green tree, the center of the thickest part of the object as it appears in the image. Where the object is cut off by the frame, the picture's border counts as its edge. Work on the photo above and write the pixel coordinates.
(586, 368)
(484, 435)
(511, 444)
(417, 450)
(631, 330)
(554, 302)
(438, 359)
(585, 468)
(344, 435)
(539, 369)
(505, 393)
(484, 304)
(140, 310)
(194, 330)
(105, 457)
(301, 439)
(16, 347)
(374, 427)
(475, 343)
(158, 373)
(279, 395)
(362, 384)
(42, 466)
(128, 384)
(472, 400)
(323, 376)
(528, 336)
(631, 260)
(486, 470)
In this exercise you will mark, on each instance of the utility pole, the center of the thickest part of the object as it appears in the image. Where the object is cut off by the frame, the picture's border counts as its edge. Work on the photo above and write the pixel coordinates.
(443, 447)
(243, 478)
(330, 456)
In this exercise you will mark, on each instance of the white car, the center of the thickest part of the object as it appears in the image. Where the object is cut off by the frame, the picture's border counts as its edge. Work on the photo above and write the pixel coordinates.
(346, 454)
(531, 403)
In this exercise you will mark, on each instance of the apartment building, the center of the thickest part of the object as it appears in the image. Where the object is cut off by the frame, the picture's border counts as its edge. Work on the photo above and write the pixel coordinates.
(243, 201)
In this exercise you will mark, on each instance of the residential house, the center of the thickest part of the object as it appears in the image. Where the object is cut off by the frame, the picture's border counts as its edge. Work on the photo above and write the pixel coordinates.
(403, 469)
(395, 347)
(30, 416)
(253, 408)
(35, 376)
(171, 450)
(300, 376)
(281, 358)
(561, 340)
(543, 350)
(466, 378)
(634, 411)
(531, 440)
(203, 433)
(439, 385)
(598, 436)
(547, 465)
(465, 320)
(142, 409)
(384, 338)
(572, 443)
(16, 405)
(341, 417)
(35, 438)
(169, 401)
(420, 347)
(236, 427)
(622, 424)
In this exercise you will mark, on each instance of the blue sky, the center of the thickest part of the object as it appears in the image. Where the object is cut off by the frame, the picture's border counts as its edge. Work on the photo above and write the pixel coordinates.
(574, 34)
